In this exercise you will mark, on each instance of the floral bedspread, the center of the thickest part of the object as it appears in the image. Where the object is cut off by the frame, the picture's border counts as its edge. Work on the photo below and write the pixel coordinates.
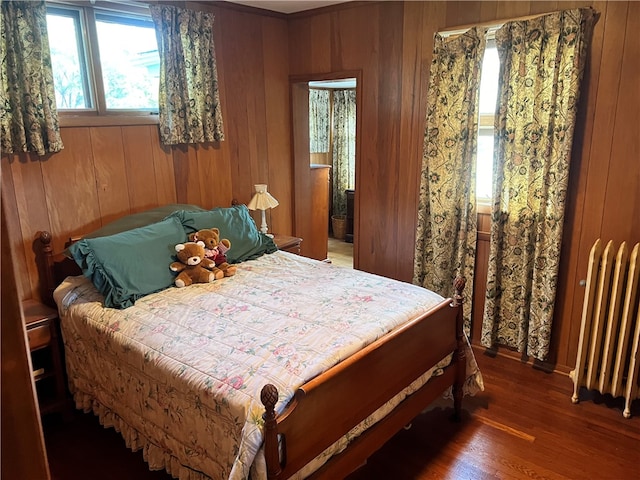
(179, 373)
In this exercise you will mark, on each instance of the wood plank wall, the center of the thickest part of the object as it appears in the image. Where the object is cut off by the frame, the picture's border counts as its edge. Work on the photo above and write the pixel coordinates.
(105, 172)
(391, 43)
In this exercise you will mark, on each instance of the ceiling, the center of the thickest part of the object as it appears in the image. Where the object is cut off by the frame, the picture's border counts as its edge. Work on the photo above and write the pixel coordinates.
(287, 6)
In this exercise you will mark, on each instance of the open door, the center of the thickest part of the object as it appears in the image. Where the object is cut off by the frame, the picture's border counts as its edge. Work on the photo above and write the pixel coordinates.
(312, 192)
(23, 450)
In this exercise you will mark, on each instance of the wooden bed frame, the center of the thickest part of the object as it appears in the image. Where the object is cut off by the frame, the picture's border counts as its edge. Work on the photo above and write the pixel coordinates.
(327, 407)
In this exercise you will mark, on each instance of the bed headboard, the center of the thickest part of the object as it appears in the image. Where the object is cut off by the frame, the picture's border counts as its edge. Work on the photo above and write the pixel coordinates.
(54, 268)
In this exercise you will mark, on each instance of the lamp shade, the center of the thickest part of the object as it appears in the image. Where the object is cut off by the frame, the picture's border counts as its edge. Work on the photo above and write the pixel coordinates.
(262, 200)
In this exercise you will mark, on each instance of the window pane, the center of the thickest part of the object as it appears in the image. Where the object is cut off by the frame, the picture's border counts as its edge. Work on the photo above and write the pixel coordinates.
(129, 60)
(489, 80)
(487, 107)
(69, 72)
(484, 164)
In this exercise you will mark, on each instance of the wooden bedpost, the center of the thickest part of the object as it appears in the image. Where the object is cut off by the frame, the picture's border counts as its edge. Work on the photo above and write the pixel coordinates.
(47, 250)
(269, 398)
(459, 354)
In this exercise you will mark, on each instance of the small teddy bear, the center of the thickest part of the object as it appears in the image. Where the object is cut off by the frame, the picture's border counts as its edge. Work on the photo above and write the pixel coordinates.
(215, 249)
(193, 266)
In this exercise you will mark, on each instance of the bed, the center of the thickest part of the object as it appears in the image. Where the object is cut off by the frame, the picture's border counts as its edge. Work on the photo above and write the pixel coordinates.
(292, 368)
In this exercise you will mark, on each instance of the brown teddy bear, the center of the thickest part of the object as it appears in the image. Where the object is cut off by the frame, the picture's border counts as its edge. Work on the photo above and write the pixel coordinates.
(215, 249)
(193, 265)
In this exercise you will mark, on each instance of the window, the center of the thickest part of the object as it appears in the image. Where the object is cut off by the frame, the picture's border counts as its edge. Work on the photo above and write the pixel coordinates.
(103, 61)
(487, 108)
(68, 59)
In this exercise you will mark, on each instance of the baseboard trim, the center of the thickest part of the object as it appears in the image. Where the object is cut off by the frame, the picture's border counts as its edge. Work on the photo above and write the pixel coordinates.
(519, 357)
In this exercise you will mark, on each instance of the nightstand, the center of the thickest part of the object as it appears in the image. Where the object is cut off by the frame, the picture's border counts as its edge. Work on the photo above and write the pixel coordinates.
(287, 243)
(41, 322)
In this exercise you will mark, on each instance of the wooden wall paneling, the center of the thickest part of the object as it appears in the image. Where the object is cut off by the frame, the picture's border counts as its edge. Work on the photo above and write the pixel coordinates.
(70, 188)
(568, 308)
(300, 44)
(536, 7)
(237, 84)
(193, 185)
(254, 96)
(180, 159)
(359, 36)
(213, 176)
(488, 11)
(112, 181)
(30, 196)
(387, 184)
(351, 49)
(604, 105)
(278, 123)
(209, 181)
(321, 158)
(463, 12)
(12, 219)
(506, 10)
(163, 168)
(475, 298)
(322, 45)
(138, 157)
(410, 145)
(623, 182)
(223, 157)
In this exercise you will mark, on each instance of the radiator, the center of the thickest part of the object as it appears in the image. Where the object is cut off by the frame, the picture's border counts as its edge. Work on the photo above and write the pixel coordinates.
(608, 359)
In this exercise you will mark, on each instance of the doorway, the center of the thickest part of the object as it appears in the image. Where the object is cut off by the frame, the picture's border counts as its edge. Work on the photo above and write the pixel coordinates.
(326, 134)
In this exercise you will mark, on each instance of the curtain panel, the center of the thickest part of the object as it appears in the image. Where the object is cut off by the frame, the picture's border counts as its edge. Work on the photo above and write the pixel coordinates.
(344, 147)
(542, 63)
(319, 120)
(28, 114)
(189, 98)
(447, 223)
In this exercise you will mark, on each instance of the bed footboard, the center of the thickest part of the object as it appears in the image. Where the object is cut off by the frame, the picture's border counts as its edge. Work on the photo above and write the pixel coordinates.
(330, 405)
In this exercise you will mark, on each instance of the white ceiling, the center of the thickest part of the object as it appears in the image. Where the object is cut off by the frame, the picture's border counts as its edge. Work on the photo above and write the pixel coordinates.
(287, 6)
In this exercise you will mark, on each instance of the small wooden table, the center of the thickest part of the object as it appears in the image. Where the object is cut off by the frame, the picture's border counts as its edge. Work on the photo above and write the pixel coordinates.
(287, 243)
(41, 323)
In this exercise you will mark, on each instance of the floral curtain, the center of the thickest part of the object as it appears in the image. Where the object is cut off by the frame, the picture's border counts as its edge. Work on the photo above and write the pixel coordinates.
(542, 62)
(319, 115)
(447, 224)
(344, 147)
(189, 99)
(28, 114)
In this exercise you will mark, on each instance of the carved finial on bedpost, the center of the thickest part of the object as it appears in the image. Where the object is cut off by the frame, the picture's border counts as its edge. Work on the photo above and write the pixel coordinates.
(47, 250)
(269, 398)
(459, 355)
(458, 284)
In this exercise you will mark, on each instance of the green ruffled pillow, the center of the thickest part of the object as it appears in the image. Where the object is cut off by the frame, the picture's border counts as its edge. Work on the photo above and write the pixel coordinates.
(235, 223)
(131, 264)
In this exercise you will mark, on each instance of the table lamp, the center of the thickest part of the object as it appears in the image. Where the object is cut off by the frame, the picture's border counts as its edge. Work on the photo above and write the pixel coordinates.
(262, 200)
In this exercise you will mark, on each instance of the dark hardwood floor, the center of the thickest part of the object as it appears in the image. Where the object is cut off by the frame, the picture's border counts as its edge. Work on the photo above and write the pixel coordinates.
(523, 426)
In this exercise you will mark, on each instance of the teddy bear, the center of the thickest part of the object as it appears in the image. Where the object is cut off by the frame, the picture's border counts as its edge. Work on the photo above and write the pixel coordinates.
(215, 249)
(193, 266)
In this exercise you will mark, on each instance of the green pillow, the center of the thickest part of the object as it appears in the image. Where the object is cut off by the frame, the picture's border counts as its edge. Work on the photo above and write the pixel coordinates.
(136, 220)
(140, 219)
(129, 265)
(235, 223)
